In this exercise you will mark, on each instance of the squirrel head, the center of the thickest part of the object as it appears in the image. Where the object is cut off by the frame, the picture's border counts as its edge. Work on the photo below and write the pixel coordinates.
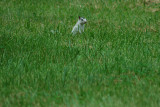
(82, 20)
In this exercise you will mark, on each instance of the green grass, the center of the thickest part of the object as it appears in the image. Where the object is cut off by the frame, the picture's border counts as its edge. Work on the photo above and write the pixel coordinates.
(115, 63)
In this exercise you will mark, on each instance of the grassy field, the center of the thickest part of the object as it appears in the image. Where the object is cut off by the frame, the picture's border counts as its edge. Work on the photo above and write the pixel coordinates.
(114, 63)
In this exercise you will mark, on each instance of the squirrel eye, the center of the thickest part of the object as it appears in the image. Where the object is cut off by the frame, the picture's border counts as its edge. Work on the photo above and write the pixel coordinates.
(82, 19)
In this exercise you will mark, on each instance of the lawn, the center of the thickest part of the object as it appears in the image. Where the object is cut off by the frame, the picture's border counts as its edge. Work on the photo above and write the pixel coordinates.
(114, 63)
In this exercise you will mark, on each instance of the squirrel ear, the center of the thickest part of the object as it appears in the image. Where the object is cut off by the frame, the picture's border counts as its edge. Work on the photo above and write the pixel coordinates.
(79, 17)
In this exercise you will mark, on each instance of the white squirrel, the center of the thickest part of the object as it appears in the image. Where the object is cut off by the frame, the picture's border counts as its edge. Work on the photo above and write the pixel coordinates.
(79, 27)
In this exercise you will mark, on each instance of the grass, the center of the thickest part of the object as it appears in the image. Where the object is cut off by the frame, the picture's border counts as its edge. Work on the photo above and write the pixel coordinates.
(115, 63)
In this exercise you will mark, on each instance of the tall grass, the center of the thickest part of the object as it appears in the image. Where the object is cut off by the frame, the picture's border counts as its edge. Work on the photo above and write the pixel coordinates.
(115, 62)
